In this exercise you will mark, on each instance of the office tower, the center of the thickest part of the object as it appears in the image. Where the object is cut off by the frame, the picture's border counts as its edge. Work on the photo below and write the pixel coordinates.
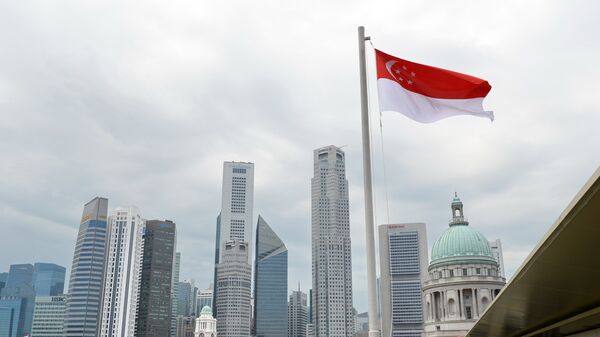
(19, 283)
(361, 322)
(48, 316)
(403, 265)
(496, 247)
(186, 298)
(19, 274)
(297, 314)
(206, 325)
(309, 326)
(270, 283)
(233, 297)
(87, 272)
(12, 312)
(331, 259)
(48, 279)
(235, 219)
(175, 293)
(123, 272)
(205, 298)
(186, 326)
(154, 308)
(3, 277)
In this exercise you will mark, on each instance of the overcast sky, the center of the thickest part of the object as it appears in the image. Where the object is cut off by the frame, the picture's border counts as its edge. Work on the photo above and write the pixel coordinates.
(142, 102)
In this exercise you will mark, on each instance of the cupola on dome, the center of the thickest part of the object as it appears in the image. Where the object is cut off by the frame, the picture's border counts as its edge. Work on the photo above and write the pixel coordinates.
(460, 244)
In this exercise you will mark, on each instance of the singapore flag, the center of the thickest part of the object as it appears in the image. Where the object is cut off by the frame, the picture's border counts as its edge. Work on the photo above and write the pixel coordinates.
(427, 94)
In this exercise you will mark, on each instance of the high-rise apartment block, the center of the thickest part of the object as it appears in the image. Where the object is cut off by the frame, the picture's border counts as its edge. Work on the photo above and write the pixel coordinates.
(154, 308)
(297, 314)
(270, 283)
(331, 249)
(403, 264)
(233, 296)
(87, 272)
(123, 273)
(48, 316)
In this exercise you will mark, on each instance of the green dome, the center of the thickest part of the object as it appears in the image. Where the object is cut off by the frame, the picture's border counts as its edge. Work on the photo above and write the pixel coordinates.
(460, 243)
(206, 311)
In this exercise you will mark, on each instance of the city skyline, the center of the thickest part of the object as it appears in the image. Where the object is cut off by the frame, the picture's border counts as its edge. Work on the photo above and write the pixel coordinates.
(101, 91)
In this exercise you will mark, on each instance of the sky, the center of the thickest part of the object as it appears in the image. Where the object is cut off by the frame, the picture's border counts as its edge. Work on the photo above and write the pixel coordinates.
(141, 102)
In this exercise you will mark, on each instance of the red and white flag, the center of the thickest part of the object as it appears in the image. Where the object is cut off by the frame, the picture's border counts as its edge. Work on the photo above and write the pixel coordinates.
(427, 94)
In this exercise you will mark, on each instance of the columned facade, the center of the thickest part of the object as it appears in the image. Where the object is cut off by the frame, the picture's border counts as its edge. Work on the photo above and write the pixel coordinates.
(464, 278)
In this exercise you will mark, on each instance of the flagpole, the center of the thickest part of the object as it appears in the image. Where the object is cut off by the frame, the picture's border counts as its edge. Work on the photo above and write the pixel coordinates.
(374, 325)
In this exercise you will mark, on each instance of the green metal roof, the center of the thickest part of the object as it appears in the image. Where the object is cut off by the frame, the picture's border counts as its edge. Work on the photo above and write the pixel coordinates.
(206, 311)
(461, 244)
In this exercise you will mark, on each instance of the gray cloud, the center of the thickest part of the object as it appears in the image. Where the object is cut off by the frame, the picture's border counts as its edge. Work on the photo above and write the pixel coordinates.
(142, 103)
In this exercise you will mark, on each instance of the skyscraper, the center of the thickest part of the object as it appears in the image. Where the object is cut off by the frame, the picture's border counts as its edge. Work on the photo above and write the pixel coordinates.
(331, 251)
(235, 219)
(48, 279)
(297, 314)
(123, 273)
(87, 272)
(270, 283)
(496, 247)
(154, 309)
(19, 284)
(403, 264)
(3, 277)
(205, 298)
(233, 297)
(187, 295)
(48, 316)
(12, 312)
(175, 293)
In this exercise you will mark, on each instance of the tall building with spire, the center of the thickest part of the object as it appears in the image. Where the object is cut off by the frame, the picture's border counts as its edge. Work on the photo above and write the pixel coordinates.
(331, 249)
(270, 283)
(87, 272)
(234, 222)
(463, 278)
(123, 273)
(297, 314)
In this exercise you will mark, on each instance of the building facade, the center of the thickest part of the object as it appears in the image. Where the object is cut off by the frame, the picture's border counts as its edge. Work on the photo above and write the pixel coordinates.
(12, 312)
(48, 279)
(19, 284)
(496, 247)
(297, 314)
(235, 219)
(206, 325)
(175, 294)
(403, 265)
(154, 308)
(186, 325)
(234, 284)
(331, 247)
(205, 298)
(123, 273)
(48, 316)
(463, 278)
(87, 272)
(270, 283)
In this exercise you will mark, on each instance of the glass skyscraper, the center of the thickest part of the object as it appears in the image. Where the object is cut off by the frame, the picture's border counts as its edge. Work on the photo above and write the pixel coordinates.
(12, 311)
(87, 272)
(48, 279)
(270, 283)
(154, 308)
(19, 289)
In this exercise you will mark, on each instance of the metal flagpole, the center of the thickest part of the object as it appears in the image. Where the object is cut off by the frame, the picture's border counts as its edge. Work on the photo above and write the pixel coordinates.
(374, 325)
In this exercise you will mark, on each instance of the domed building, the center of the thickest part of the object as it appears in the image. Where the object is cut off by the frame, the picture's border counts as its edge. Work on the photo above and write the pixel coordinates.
(206, 324)
(463, 279)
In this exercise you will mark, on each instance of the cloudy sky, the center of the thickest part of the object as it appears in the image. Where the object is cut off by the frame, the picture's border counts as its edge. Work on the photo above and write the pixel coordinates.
(142, 102)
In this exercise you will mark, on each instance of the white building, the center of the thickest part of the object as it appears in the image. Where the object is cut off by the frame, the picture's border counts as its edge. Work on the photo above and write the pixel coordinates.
(403, 265)
(233, 297)
(205, 298)
(331, 249)
(237, 201)
(48, 316)
(463, 279)
(206, 325)
(123, 273)
(496, 247)
(297, 314)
